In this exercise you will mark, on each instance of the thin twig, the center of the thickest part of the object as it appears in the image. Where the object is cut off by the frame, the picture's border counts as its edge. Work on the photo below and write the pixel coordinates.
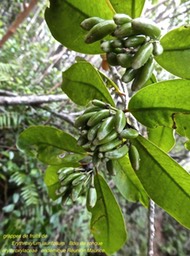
(64, 116)
(151, 228)
(155, 7)
(117, 79)
(180, 13)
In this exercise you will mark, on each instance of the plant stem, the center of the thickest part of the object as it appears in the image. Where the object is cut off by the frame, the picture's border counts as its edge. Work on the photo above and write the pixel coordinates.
(151, 228)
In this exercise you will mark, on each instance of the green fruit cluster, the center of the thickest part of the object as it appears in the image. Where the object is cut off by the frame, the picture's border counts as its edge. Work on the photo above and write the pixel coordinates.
(76, 181)
(104, 132)
(135, 44)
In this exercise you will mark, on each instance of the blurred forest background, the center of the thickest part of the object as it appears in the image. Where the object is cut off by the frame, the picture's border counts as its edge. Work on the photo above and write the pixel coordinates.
(31, 62)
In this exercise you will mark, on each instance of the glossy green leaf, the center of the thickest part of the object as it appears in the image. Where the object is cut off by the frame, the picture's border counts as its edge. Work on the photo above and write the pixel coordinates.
(64, 17)
(107, 223)
(163, 137)
(176, 55)
(165, 181)
(50, 145)
(128, 183)
(82, 83)
(159, 104)
(130, 7)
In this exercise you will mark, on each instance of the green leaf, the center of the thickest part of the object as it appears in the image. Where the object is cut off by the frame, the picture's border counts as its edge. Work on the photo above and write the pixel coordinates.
(50, 145)
(183, 127)
(160, 104)
(107, 223)
(163, 137)
(128, 183)
(183, 124)
(16, 198)
(176, 55)
(130, 7)
(82, 83)
(64, 17)
(165, 181)
(8, 208)
(52, 181)
(55, 156)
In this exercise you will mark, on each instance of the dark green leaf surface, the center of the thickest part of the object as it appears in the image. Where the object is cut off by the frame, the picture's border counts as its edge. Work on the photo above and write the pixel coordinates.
(128, 183)
(165, 181)
(107, 223)
(163, 137)
(160, 104)
(64, 17)
(130, 7)
(55, 156)
(176, 56)
(82, 83)
(47, 142)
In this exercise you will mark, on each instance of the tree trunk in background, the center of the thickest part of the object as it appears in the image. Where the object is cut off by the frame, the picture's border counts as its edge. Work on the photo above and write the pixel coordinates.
(19, 19)
(159, 237)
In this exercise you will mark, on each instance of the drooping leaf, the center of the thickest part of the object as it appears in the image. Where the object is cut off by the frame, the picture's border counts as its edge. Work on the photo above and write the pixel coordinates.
(130, 7)
(47, 142)
(163, 137)
(107, 223)
(159, 105)
(176, 55)
(128, 183)
(165, 181)
(82, 83)
(64, 17)
(52, 182)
